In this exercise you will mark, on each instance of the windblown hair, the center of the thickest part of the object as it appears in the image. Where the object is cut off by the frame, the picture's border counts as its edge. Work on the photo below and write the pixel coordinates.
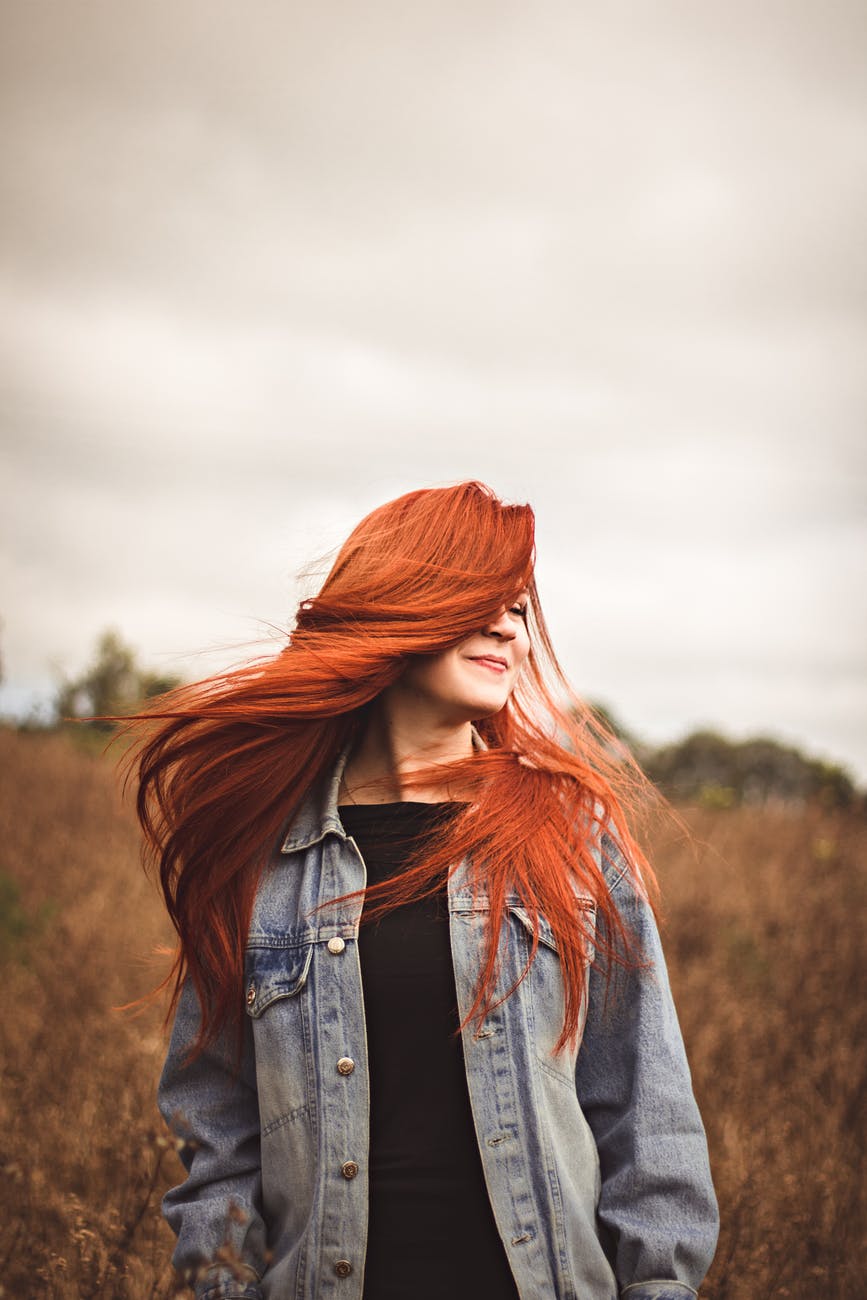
(225, 764)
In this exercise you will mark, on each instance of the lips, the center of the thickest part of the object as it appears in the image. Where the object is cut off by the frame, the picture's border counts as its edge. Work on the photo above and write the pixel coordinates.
(494, 662)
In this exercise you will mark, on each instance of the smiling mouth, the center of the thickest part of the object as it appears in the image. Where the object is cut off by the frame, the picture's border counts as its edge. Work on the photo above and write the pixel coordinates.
(490, 662)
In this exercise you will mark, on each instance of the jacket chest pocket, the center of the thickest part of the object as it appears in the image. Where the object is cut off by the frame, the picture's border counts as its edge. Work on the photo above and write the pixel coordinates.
(543, 986)
(272, 973)
(277, 999)
(587, 921)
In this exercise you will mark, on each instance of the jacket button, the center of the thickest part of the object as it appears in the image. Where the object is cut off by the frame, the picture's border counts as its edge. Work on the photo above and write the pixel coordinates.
(343, 1268)
(251, 995)
(349, 1169)
(345, 1065)
(335, 945)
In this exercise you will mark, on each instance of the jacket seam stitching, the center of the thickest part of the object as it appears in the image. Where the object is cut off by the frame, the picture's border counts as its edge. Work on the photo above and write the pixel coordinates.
(659, 1281)
(567, 1079)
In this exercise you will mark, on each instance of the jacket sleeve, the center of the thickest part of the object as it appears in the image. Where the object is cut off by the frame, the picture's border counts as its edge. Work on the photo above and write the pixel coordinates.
(657, 1209)
(211, 1106)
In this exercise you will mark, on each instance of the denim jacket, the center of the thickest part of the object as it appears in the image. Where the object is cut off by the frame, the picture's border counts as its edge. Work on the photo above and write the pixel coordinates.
(595, 1160)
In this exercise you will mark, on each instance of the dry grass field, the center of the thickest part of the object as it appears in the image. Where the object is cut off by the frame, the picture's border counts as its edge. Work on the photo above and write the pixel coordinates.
(764, 918)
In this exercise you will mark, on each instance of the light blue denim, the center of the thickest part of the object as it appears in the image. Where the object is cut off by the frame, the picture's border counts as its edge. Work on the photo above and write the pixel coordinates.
(595, 1162)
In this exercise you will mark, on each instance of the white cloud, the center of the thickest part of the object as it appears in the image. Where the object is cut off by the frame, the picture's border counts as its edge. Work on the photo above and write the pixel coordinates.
(264, 271)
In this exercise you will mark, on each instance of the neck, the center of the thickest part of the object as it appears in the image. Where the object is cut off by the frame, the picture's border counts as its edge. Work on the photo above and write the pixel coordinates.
(398, 743)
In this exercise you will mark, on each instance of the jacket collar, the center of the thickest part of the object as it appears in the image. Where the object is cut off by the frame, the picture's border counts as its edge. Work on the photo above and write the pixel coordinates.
(317, 816)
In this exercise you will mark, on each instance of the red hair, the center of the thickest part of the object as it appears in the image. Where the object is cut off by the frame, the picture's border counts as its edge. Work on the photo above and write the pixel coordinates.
(226, 763)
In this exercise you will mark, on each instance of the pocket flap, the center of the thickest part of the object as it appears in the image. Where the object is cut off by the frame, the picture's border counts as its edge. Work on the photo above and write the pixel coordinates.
(272, 973)
(546, 933)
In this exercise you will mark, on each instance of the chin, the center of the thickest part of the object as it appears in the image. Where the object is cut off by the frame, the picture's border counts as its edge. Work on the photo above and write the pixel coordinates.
(486, 708)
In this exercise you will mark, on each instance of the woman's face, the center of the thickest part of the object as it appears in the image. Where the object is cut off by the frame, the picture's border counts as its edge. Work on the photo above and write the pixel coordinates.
(476, 678)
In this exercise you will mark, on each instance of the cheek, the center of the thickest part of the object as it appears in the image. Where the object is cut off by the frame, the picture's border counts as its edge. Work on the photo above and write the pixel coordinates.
(447, 679)
(432, 676)
(522, 645)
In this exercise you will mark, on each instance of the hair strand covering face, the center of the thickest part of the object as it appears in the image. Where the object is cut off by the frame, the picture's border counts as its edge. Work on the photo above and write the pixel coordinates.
(224, 764)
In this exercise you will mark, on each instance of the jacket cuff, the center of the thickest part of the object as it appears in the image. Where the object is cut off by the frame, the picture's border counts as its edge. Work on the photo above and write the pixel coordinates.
(230, 1290)
(225, 1284)
(658, 1289)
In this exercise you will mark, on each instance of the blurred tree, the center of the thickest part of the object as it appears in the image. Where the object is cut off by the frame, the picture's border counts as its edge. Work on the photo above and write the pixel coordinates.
(605, 723)
(152, 684)
(113, 686)
(721, 773)
(612, 722)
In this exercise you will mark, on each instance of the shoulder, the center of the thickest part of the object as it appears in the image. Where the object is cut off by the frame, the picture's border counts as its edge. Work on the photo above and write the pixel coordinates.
(595, 827)
(612, 860)
(619, 868)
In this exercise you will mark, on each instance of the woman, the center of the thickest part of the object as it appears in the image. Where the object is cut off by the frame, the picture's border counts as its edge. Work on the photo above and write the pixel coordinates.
(478, 1087)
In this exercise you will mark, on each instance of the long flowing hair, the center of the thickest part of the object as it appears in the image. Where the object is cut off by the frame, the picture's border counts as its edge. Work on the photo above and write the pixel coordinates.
(225, 764)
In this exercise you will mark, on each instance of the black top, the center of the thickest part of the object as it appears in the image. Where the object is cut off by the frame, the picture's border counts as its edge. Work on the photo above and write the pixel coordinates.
(432, 1231)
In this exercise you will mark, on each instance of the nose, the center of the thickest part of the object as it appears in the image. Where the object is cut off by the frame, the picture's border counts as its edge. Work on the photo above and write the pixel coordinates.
(501, 627)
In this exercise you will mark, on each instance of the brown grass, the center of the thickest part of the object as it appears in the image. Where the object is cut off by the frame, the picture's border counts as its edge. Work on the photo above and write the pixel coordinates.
(764, 925)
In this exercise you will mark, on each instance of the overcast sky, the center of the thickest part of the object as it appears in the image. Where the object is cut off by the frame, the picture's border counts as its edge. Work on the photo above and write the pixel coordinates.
(265, 266)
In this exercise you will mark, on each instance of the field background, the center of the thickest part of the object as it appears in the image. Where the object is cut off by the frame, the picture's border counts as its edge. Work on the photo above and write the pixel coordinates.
(764, 922)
